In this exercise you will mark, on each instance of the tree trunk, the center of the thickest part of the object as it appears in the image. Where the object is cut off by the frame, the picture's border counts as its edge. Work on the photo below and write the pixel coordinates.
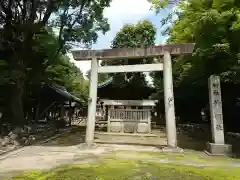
(37, 109)
(70, 113)
(17, 106)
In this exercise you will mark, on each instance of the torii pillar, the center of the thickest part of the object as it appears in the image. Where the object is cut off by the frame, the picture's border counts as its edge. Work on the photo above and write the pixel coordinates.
(92, 102)
(169, 100)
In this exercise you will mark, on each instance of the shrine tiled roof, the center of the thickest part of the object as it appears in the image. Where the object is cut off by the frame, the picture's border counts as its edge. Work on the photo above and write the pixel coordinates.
(53, 90)
(105, 83)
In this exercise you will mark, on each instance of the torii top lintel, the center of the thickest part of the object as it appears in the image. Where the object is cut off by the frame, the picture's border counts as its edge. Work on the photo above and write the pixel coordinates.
(131, 53)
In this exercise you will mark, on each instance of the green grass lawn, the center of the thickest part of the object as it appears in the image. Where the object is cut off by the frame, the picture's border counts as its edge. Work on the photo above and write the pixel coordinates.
(194, 157)
(112, 169)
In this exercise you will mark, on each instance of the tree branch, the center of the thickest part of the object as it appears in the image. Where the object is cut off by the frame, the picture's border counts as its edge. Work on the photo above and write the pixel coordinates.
(62, 25)
(48, 12)
(3, 15)
(33, 11)
(20, 5)
(3, 7)
(24, 11)
(10, 4)
(80, 13)
(40, 17)
(8, 13)
(62, 41)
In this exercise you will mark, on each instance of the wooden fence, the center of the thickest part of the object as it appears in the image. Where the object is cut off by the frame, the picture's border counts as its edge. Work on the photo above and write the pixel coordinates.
(129, 120)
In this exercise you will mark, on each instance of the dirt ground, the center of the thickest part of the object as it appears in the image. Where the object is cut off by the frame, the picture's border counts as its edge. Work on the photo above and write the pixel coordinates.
(69, 149)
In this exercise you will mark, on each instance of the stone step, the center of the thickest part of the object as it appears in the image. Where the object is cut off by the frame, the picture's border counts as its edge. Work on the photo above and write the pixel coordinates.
(149, 141)
(131, 134)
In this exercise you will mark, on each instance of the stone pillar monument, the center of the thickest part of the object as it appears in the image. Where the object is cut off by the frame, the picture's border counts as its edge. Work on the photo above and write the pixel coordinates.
(218, 146)
(169, 101)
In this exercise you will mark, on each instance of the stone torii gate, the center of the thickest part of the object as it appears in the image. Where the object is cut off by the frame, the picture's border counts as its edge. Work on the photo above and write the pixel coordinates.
(130, 53)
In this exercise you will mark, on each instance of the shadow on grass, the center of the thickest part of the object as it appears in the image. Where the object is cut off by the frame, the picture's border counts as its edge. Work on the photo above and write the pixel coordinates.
(74, 137)
(195, 139)
(235, 142)
(192, 142)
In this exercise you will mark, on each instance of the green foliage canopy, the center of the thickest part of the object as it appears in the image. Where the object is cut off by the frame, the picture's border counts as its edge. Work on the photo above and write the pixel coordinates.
(28, 48)
(140, 35)
(214, 26)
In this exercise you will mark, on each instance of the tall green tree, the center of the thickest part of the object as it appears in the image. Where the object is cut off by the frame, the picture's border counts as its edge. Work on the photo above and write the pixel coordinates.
(215, 28)
(132, 36)
(23, 22)
(101, 77)
(66, 74)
